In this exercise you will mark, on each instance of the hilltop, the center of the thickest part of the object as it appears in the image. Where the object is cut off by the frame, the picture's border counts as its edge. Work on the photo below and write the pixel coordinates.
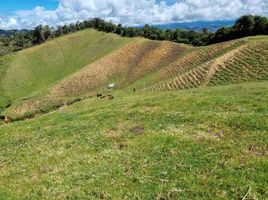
(195, 127)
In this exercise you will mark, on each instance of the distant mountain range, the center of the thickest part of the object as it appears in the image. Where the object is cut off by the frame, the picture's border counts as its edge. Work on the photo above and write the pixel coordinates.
(196, 25)
(10, 32)
(7, 32)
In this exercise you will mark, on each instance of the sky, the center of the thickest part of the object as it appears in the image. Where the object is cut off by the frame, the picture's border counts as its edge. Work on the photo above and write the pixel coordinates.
(20, 14)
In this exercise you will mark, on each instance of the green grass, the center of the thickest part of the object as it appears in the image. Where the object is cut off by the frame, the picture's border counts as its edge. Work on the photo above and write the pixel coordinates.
(209, 143)
(36, 69)
(4, 100)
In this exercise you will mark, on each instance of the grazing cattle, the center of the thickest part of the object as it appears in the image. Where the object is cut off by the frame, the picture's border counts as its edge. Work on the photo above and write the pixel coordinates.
(99, 95)
(110, 97)
(103, 97)
(134, 89)
(2, 118)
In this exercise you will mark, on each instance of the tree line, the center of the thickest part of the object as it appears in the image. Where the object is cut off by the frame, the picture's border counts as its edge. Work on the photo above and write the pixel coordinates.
(248, 25)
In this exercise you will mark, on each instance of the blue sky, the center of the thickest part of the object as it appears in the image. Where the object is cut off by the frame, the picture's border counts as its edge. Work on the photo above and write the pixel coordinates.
(7, 7)
(17, 14)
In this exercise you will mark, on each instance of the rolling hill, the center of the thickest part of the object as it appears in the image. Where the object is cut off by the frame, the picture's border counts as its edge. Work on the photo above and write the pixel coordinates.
(195, 127)
(51, 75)
(28, 72)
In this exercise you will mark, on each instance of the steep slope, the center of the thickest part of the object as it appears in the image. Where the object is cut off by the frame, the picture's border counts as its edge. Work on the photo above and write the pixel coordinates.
(35, 69)
(230, 62)
(125, 66)
(132, 62)
(4, 100)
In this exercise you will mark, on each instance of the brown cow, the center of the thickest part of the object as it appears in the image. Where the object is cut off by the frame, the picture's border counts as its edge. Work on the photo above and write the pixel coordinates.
(110, 97)
(99, 95)
(7, 120)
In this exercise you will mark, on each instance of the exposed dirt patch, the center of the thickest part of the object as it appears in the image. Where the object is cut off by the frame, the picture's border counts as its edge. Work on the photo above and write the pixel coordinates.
(114, 135)
(149, 109)
(137, 130)
(256, 151)
(202, 136)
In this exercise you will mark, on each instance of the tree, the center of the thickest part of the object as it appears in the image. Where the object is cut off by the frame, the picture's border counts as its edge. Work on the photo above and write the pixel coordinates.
(39, 36)
(261, 25)
(65, 29)
(48, 32)
(245, 25)
(119, 29)
(19, 39)
(59, 31)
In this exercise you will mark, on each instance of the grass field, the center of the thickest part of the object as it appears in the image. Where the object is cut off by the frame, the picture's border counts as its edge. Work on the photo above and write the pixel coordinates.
(209, 143)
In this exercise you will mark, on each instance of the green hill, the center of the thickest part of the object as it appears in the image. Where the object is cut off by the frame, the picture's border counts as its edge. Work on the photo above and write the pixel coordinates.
(33, 70)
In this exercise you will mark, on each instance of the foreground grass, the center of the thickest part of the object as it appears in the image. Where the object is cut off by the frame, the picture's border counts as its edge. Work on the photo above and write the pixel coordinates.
(208, 143)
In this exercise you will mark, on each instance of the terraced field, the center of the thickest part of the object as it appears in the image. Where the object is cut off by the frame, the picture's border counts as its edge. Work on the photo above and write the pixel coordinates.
(232, 62)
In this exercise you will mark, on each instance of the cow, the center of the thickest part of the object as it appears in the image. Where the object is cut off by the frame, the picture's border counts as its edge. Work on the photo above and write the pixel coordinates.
(99, 95)
(7, 119)
(110, 97)
(111, 86)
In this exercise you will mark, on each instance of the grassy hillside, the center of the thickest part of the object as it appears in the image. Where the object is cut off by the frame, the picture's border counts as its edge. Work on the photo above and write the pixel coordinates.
(142, 64)
(4, 100)
(135, 60)
(210, 143)
(35, 69)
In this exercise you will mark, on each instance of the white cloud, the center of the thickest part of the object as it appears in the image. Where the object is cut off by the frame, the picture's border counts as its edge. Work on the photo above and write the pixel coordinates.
(10, 22)
(135, 12)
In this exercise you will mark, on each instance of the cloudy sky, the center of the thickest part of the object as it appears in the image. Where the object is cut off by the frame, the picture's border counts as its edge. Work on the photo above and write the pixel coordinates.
(18, 14)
